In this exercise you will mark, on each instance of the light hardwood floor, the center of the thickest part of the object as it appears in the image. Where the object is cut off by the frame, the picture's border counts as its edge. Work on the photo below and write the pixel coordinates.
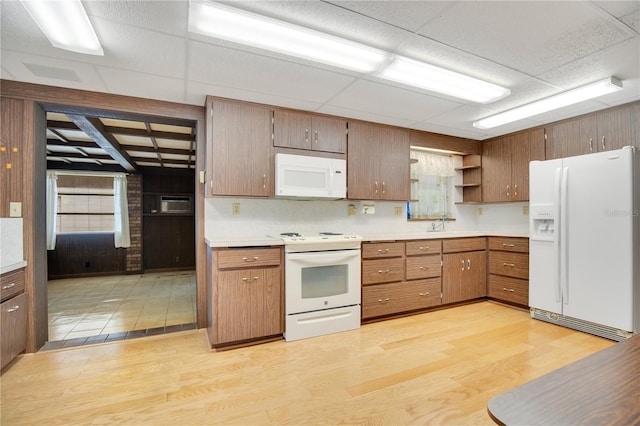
(435, 368)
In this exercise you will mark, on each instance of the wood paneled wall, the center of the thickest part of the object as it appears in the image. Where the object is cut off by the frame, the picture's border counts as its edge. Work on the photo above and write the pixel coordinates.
(85, 255)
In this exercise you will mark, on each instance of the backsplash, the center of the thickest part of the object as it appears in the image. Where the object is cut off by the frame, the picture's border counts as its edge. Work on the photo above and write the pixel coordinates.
(505, 217)
(258, 217)
(11, 245)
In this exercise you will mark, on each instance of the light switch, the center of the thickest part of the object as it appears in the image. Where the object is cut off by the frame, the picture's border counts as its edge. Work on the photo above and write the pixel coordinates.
(15, 209)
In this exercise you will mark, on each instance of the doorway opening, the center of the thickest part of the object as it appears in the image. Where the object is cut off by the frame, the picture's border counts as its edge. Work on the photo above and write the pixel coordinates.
(98, 292)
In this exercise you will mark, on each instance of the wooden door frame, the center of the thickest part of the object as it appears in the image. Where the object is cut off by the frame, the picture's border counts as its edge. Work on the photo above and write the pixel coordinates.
(38, 98)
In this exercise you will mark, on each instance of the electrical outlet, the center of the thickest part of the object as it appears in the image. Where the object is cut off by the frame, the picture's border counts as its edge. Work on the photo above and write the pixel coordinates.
(351, 210)
(235, 208)
(15, 209)
(525, 210)
(398, 211)
(480, 211)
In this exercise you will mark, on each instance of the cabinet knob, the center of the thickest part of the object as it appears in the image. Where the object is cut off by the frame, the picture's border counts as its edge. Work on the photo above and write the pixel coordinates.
(591, 144)
(508, 190)
(603, 145)
(316, 136)
(306, 135)
(462, 261)
(376, 184)
(515, 190)
(468, 264)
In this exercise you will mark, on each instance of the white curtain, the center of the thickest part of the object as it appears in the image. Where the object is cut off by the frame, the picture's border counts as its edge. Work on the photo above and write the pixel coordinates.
(52, 209)
(121, 212)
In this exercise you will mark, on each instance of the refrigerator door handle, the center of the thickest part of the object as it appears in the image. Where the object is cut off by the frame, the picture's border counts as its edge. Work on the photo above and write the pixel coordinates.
(564, 235)
(556, 235)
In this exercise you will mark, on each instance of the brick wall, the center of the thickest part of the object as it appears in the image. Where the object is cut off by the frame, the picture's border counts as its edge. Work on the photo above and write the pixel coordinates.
(134, 197)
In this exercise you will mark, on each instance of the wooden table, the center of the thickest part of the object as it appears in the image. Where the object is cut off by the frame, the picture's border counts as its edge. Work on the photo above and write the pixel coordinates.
(603, 388)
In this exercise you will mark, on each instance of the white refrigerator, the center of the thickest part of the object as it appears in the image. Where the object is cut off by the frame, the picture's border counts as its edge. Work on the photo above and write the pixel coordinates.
(584, 270)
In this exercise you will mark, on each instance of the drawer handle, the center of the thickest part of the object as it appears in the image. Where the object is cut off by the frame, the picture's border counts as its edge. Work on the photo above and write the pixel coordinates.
(511, 265)
(462, 264)
(385, 271)
(383, 301)
(383, 250)
(424, 248)
(422, 268)
(8, 286)
(250, 259)
(424, 294)
(468, 264)
(508, 245)
(13, 308)
(250, 279)
(508, 289)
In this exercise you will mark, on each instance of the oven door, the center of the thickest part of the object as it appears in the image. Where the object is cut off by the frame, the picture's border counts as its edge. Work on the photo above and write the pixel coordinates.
(321, 280)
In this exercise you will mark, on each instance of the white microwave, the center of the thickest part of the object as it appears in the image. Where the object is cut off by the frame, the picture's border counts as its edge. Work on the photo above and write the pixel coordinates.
(301, 176)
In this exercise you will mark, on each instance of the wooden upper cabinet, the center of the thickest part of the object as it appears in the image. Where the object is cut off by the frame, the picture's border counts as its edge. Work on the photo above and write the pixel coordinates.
(601, 131)
(520, 157)
(239, 151)
(309, 132)
(614, 128)
(496, 170)
(378, 162)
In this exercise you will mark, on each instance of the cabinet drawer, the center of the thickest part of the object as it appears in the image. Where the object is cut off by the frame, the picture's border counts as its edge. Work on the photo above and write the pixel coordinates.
(455, 245)
(423, 267)
(424, 247)
(11, 283)
(382, 270)
(248, 258)
(386, 299)
(509, 244)
(375, 250)
(510, 264)
(509, 289)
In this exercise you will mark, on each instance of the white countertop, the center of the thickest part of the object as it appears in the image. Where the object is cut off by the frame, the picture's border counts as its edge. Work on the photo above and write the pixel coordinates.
(248, 241)
(12, 267)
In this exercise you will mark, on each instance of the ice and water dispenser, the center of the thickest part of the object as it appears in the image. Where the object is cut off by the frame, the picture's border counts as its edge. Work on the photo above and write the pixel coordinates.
(542, 221)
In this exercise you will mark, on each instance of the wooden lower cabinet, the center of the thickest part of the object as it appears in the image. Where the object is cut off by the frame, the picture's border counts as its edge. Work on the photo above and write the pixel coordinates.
(246, 286)
(464, 276)
(509, 270)
(392, 298)
(13, 324)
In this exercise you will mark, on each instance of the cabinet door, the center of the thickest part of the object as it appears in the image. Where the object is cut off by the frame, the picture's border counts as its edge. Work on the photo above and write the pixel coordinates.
(291, 130)
(520, 148)
(464, 276)
(496, 170)
(265, 297)
(614, 128)
(393, 163)
(556, 141)
(233, 305)
(328, 134)
(362, 162)
(239, 152)
(13, 324)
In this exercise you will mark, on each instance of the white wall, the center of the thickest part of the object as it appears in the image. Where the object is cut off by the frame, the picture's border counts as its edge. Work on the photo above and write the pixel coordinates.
(260, 217)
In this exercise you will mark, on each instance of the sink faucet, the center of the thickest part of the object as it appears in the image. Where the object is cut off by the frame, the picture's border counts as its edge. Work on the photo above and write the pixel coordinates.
(440, 225)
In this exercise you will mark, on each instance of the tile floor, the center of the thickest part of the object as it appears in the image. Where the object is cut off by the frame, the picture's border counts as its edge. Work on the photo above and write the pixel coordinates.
(80, 308)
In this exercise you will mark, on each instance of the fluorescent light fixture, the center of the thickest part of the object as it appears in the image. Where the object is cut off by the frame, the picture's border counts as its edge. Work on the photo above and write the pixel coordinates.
(65, 24)
(239, 26)
(436, 79)
(590, 91)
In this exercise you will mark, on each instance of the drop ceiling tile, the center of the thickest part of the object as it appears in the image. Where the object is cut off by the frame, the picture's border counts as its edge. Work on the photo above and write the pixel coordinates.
(238, 69)
(132, 83)
(391, 101)
(364, 115)
(619, 9)
(95, 151)
(171, 128)
(571, 30)
(140, 154)
(112, 122)
(56, 116)
(62, 149)
(51, 71)
(173, 144)
(161, 16)
(133, 140)
(332, 19)
(74, 135)
(409, 15)
(148, 164)
(176, 157)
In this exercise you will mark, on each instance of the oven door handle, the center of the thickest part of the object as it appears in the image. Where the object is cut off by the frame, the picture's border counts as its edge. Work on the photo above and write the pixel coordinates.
(323, 258)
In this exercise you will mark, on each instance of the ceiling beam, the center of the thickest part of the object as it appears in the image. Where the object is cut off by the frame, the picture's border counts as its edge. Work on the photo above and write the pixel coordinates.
(94, 128)
(138, 148)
